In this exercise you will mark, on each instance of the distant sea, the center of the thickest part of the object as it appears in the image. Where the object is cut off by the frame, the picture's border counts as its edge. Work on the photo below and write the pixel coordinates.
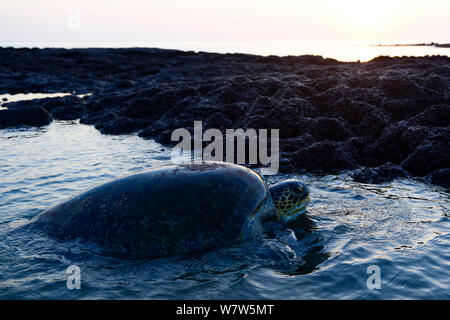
(339, 50)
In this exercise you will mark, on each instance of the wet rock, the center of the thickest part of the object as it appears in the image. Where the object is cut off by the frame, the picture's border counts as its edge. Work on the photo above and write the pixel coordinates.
(68, 112)
(373, 124)
(163, 136)
(325, 156)
(440, 177)
(389, 115)
(52, 103)
(398, 84)
(433, 116)
(428, 157)
(384, 173)
(328, 129)
(26, 116)
(401, 109)
(121, 125)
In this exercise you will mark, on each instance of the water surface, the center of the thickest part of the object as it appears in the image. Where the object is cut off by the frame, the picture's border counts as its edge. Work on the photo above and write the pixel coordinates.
(401, 227)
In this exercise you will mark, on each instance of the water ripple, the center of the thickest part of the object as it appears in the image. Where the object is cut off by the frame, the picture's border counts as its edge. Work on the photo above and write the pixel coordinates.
(402, 227)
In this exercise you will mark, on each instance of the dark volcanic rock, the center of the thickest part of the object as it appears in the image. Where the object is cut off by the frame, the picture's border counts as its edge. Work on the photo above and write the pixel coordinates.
(26, 116)
(384, 173)
(428, 157)
(120, 125)
(325, 156)
(390, 116)
(440, 177)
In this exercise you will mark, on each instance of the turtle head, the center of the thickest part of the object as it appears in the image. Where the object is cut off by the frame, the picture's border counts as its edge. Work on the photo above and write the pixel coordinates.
(290, 198)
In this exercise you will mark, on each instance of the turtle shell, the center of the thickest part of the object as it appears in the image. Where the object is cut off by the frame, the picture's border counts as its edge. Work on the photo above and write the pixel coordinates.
(166, 210)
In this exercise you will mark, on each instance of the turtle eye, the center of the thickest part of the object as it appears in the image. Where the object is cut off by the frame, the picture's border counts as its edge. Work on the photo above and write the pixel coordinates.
(297, 190)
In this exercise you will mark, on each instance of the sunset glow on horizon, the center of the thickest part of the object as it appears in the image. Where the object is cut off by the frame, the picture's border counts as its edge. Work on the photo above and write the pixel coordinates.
(202, 20)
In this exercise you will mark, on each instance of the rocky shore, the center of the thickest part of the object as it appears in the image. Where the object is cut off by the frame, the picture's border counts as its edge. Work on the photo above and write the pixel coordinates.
(387, 118)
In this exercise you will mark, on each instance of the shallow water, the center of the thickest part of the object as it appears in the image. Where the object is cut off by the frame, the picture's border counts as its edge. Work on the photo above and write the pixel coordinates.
(401, 227)
(7, 98)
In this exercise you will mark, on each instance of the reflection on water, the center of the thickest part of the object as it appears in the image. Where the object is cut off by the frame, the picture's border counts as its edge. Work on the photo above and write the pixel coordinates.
(402, 227)
(7, 98)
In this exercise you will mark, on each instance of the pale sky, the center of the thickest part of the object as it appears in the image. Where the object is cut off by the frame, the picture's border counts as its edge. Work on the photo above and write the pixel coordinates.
(59, 21)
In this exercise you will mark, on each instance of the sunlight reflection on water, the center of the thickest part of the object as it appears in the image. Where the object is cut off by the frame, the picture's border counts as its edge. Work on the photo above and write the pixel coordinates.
(339, 50)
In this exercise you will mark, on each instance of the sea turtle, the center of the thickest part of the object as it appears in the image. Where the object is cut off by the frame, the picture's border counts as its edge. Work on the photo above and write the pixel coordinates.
(175, 209)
